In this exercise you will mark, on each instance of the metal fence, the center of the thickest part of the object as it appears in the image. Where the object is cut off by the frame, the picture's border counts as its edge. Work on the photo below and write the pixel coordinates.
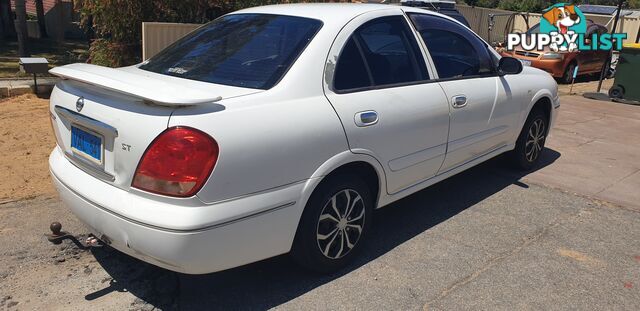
(478, 19)
(157, 36)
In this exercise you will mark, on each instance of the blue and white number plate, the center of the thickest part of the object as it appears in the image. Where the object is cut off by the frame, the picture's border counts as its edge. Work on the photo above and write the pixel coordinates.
(86, 144)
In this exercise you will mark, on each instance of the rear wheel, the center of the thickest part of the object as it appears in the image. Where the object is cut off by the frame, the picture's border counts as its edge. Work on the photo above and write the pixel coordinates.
(531, 141)
(334, 224)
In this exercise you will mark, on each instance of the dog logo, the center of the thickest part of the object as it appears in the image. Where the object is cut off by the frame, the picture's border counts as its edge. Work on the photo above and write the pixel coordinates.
(563, 19)
(563, 28)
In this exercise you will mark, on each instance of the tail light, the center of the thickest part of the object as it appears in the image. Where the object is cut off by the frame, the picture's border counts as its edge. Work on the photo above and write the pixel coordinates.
(177, 163)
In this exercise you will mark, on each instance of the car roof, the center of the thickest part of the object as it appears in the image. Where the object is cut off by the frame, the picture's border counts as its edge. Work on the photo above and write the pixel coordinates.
(329, 12)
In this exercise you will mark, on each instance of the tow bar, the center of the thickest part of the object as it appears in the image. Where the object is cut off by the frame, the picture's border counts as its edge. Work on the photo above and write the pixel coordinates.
(57, 236)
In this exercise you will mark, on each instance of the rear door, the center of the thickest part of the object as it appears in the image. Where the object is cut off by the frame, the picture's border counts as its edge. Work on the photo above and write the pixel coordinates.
(481, 115)
(378, 82)
(589, 60)
(600, 56)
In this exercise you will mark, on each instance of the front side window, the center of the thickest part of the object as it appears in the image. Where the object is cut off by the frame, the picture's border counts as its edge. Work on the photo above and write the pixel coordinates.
(244, 50)
(381, 52)
(456, 51)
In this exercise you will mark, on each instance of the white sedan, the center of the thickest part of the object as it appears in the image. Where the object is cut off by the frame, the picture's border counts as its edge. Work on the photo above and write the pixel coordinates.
(281, 128)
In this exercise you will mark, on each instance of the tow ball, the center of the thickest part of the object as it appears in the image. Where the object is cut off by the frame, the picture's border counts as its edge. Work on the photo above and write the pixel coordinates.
(57, 236)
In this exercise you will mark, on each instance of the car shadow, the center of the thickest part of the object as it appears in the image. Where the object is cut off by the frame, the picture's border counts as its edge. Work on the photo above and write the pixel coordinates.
(274, 281)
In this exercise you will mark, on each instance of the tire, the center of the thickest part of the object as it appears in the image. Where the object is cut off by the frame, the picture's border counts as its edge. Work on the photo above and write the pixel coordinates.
(530, 143)
(616, 92)
(567, 77)
(333, 252)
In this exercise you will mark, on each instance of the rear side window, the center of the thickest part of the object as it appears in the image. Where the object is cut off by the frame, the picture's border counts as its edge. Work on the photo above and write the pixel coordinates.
(351, 72)
(381, 52)
(245, 50)
(456, 51)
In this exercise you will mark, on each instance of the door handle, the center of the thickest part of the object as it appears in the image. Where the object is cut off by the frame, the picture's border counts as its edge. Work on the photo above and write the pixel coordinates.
(459, 101)
(366, 118)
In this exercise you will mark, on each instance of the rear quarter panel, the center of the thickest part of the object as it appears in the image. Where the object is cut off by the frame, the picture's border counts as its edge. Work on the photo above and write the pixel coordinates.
(276, 137)
(277, 142)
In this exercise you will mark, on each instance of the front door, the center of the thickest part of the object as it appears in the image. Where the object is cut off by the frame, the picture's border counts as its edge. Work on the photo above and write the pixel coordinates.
(481, 117)
(383, 94)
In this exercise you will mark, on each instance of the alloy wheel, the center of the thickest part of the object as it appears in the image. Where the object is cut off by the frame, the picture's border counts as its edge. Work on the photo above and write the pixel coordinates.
(340, 224)
(535, 140)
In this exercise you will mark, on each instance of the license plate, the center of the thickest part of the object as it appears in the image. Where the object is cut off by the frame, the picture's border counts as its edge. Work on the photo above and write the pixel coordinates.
(86, 144)
(526, 62)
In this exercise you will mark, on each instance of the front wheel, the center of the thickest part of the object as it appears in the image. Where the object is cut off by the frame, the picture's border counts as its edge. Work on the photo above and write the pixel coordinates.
(530, 143)
(334, 224)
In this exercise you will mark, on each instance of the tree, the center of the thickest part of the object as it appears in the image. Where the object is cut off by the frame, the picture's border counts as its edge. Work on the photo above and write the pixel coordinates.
(118, 23)
(6, 19)
(40, 14)
(59, 36)
(21, 27)
(534, 6)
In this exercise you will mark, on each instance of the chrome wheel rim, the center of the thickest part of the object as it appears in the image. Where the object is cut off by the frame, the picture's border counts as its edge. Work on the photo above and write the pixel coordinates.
(535, 140)
(340, 224)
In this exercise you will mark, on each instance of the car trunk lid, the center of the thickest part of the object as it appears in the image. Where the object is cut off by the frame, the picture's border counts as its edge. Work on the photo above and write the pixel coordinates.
(104, 119)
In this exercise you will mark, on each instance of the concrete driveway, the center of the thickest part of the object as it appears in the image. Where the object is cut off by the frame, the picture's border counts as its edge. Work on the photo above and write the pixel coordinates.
(599, 144)
(488, 238)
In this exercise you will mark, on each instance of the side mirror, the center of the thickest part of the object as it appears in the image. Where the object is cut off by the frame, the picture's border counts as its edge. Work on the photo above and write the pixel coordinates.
(509, 66)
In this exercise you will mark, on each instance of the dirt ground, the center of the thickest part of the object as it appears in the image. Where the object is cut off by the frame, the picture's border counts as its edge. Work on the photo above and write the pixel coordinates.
(25, 144)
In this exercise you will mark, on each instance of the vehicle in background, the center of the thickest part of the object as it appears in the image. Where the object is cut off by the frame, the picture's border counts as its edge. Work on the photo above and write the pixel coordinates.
(562, 64)
(445, 7)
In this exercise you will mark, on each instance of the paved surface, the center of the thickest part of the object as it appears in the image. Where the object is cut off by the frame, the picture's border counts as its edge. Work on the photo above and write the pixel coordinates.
(488, 238)
(15, 87)
(481, 240)
(504, 244)
(583, 85)
(597, 149)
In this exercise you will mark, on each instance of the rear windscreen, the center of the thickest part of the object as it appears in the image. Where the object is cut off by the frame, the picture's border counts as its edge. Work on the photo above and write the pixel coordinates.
(245, 50)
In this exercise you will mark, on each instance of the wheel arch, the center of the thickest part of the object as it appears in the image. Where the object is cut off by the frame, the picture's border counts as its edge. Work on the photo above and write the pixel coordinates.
(545, 104)
(541, 100)
(362, 165)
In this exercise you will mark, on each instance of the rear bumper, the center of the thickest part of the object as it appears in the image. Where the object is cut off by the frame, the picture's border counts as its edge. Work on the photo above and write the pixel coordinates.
(227, 241)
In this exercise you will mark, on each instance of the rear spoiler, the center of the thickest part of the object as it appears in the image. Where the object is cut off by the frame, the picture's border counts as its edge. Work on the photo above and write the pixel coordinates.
(146, 87)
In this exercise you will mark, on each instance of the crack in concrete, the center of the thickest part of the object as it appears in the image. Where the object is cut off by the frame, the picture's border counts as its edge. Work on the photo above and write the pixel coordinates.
(604, 115)
(617, 181)
(496, 260)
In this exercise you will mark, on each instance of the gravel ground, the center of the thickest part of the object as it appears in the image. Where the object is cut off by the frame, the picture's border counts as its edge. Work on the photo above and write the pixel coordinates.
(504, 244)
